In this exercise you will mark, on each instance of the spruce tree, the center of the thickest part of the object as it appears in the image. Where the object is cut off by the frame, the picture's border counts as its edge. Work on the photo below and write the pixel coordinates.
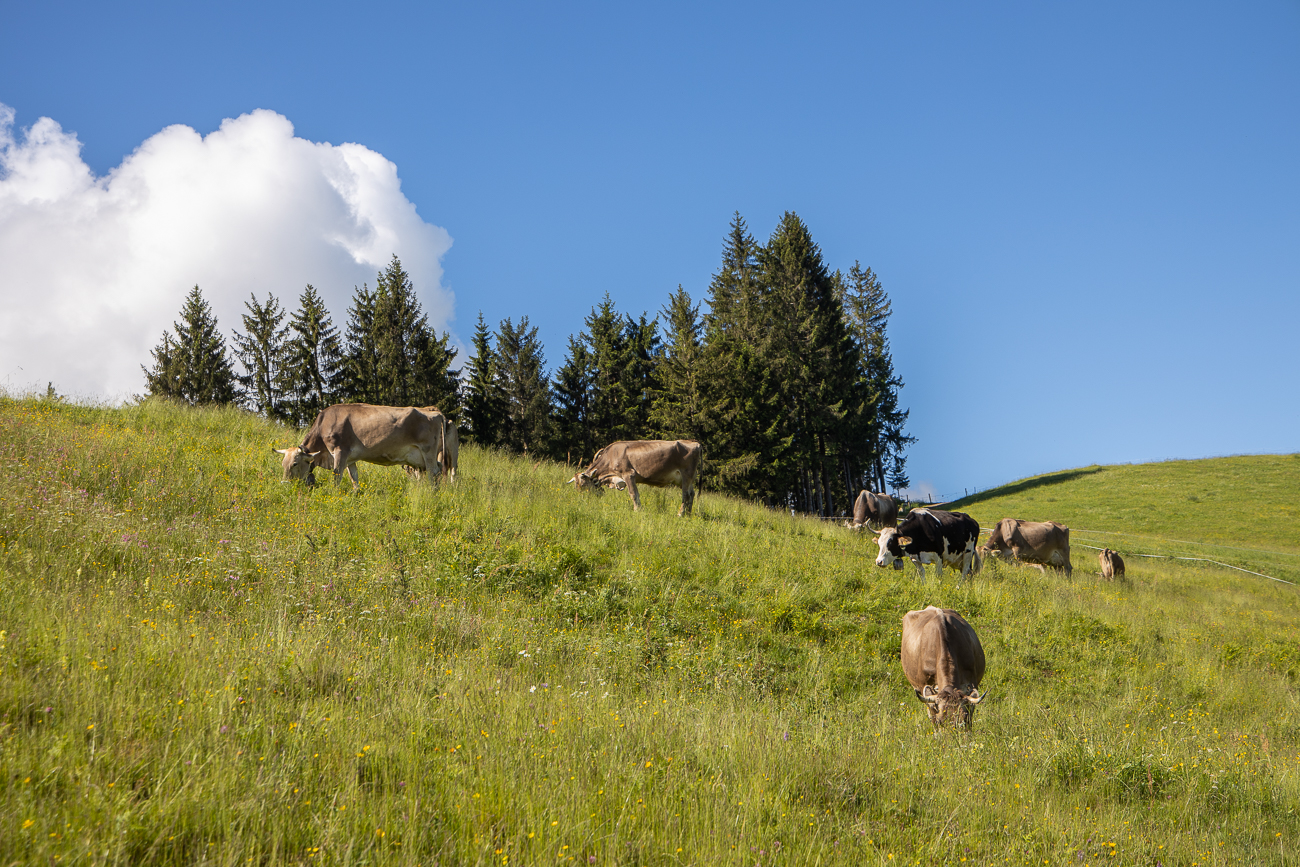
(313, 359)
(261, 351)
(575, 440)
(433, 380)
(677, 411)
(880, 457)
(360, 376)
(193, 366)
(815, 359)
(522, 378)
(743, 415)
(398, 320)
(638, 377)
(606, 341)
(394, 357)
(485, 404)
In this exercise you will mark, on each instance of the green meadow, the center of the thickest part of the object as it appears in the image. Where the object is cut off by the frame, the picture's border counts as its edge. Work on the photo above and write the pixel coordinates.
(201, 665)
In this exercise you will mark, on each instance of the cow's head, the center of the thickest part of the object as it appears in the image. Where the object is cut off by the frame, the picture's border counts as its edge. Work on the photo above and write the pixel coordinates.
(891, 546)
(951, 705)
(585, 481)
(297, 464)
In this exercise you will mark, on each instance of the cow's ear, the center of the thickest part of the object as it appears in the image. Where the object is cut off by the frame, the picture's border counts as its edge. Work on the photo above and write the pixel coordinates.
(904, 540)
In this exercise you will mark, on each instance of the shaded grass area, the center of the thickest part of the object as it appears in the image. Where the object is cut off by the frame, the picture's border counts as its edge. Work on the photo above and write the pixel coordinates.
(202, 665)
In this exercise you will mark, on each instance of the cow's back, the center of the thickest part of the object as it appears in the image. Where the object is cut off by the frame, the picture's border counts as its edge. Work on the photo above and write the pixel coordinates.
(940, 648)
(1112, 564)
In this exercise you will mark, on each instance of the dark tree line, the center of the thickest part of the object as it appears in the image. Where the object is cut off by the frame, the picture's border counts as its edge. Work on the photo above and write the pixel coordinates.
(787, 379)
(296, 364)
(785, 376)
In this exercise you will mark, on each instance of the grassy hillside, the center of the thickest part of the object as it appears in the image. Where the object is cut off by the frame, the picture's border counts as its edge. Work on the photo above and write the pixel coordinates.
(199, 664)
(1241, 510)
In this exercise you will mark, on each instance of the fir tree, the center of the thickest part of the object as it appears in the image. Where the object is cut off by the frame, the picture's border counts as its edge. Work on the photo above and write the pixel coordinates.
(638, 377)
(485, 403)
(360, 376)
(575, 440)
(193, 366)
(397, 326)
(394, 358)
(815, 359)
(261, 351)
(678, 408)
(743, 416)
(313, 359)
(879, 460)
(607, 348)
(433, 381)
(522, 378)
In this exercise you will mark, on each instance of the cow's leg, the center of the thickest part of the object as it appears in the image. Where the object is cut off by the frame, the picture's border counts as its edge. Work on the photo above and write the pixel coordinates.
(352, 474)
(920, 567)
(339, 457)
(688, 498)
(631, 489)
(432, 467)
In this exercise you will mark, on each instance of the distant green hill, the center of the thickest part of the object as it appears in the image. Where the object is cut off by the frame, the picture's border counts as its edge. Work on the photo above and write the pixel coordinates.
(1240, 510)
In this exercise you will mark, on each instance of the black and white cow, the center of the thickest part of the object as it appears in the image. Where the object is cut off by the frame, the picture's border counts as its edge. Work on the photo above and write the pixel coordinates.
(945, 538)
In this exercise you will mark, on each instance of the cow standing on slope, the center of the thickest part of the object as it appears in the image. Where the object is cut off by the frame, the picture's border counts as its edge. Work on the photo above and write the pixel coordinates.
(944, 662)
(389, 436)
(947, 537)
(1038, 543)
(874, 511)
(658, 463)
(1112, 564)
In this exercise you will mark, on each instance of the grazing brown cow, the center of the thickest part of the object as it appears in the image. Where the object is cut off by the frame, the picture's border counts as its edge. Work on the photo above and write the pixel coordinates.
(874, 511)
(944, 662)
(1038, 543)
(346, 433)
(1112, 564)
(658, 463)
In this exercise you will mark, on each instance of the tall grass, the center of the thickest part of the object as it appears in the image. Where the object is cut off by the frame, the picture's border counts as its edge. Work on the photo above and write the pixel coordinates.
(202, 665)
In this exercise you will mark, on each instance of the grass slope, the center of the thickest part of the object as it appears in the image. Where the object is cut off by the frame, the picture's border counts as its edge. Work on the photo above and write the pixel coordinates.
(1242, 510)
(199, 664)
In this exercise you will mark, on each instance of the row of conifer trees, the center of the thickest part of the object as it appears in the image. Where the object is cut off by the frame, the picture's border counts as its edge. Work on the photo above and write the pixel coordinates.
(786, 378)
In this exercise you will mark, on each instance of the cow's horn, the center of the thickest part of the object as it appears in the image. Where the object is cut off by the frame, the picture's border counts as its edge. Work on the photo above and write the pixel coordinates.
(975, 696)
(927, 697)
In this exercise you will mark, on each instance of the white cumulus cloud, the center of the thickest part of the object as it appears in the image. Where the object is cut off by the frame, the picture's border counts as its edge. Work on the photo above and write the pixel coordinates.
(93, 269)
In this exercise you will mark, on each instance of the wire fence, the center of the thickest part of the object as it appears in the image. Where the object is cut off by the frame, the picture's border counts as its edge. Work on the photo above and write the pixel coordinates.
(1176, 557)
(849, 518)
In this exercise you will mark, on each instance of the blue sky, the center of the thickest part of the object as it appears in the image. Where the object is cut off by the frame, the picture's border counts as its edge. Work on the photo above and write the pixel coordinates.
(1087, 216)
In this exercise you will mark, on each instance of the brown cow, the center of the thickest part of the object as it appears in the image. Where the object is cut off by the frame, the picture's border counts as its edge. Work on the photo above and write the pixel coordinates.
(1038, 543)
(346, 433)
(944, 662)
(874, 511)
(1112, 564)
(658, 463)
